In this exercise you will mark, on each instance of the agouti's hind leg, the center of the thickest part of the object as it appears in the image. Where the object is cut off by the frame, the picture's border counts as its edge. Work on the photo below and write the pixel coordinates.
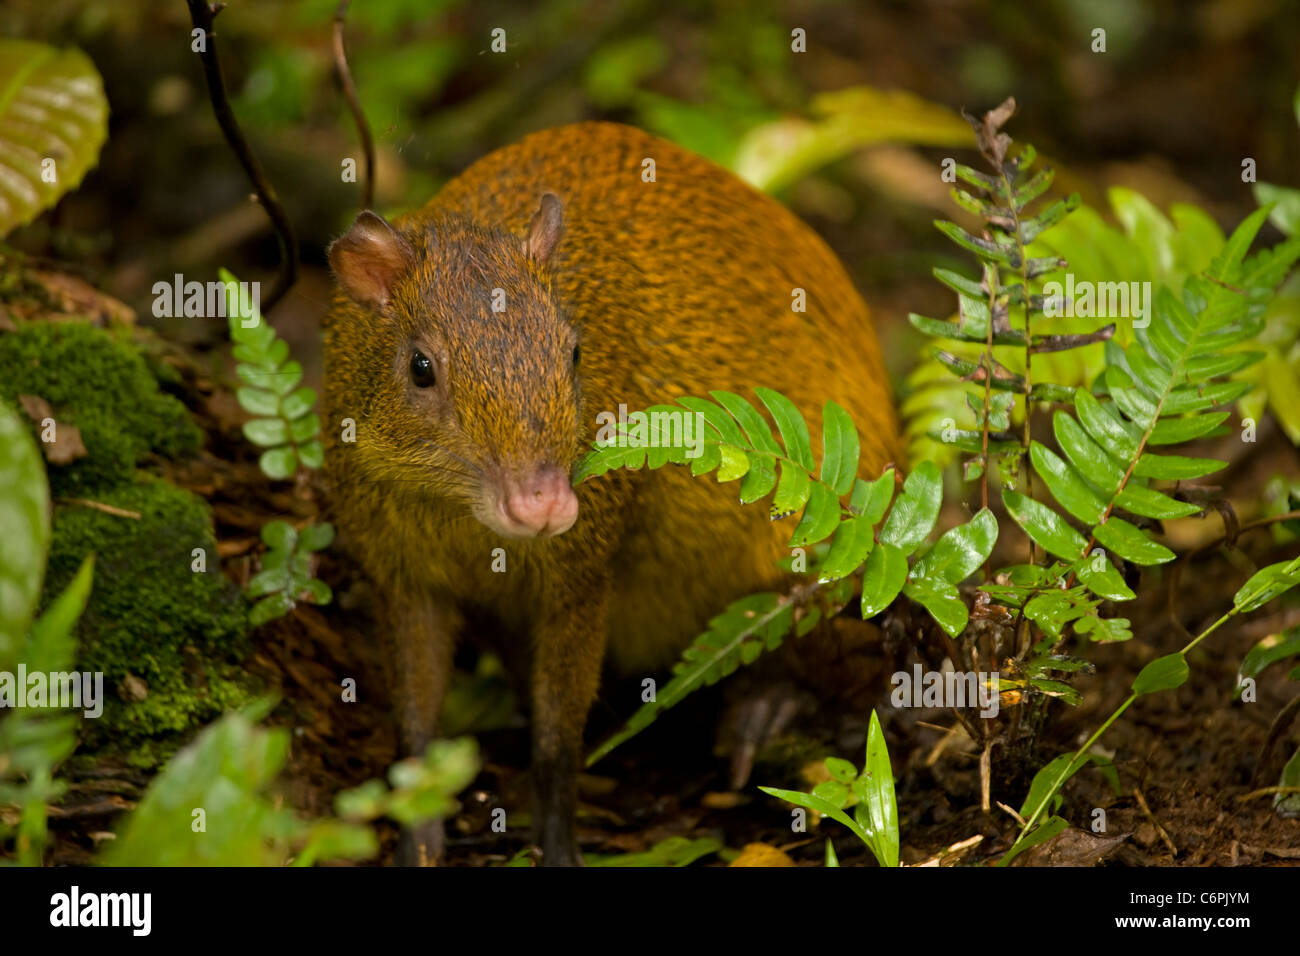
(423, 633)
(568, 651)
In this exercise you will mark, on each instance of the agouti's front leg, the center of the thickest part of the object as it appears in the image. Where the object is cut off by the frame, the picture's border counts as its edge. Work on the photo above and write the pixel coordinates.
(569, 647)
(423, 633)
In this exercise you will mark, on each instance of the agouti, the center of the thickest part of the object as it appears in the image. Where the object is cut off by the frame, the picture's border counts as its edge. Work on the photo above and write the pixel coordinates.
(619, 288)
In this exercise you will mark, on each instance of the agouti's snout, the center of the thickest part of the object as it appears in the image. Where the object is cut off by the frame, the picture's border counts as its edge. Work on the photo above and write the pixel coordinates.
(535, 503)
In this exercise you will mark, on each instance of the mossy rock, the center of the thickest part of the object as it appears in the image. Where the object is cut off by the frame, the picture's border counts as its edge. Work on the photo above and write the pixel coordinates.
(96, 380)
(151, 615)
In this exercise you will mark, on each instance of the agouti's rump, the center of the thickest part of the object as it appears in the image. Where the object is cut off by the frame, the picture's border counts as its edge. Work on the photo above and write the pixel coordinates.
(473, 343)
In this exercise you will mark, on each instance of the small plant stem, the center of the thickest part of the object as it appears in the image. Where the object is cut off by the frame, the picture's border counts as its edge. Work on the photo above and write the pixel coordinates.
(1068, 771)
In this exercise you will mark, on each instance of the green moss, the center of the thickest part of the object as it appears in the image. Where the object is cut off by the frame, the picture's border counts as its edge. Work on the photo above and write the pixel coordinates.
(181, 631)
(98, 381)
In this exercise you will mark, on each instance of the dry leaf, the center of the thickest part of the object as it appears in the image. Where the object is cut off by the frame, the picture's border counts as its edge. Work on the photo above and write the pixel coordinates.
(761, 854)
(67, 445)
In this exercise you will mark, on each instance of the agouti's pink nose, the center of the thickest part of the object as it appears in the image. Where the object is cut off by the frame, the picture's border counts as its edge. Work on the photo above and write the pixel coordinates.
(537, 504)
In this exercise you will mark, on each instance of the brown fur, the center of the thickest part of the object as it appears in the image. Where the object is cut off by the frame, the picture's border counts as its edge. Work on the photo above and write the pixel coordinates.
(672, 288)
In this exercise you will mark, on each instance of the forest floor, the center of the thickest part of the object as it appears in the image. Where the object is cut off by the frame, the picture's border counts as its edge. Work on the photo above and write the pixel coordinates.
(1185, 759)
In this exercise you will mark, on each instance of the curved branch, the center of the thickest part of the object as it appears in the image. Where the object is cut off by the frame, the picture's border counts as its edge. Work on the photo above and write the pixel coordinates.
(202, 14)
(350, 94)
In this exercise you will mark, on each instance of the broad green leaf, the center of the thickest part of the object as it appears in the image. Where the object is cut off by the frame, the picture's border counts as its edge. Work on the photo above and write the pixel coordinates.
(1116, 436)
(279, 535)
(311, 454)
(756, 429)
(852, 542)
(1075, 495)
(776, 154)
(305, 428)
(942, 601)
(266, 432)
(1091, 460)
(794, 430)
(53, 121)
(961, 550)
(915, 510)
(880, 803)
(883, 577)
(52, 646)
(840, 448)
(827, 809)
(871, 499)
(1275, 647)
(25, 529)
(735, 463)
(793, 490)
(1175, 467)
(1048, 529)
(820, 517)
(759, 479)
(297, 404)
(258, 401)
(722, 423)
(316, 537)
(1102, 579)
(1130, 543)
(1163, 673)
(1266, 584)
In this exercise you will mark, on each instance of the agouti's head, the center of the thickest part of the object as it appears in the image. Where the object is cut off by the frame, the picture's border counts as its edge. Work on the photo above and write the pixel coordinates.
(469, 368)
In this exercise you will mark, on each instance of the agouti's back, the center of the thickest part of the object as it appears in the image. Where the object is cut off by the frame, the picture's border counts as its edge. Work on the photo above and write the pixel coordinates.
(617, 291)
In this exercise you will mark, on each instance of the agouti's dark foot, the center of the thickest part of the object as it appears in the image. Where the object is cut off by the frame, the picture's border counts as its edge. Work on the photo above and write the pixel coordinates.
(753, 721)
(421, 845)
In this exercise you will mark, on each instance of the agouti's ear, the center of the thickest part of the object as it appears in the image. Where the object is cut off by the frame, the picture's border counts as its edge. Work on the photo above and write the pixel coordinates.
(369, 258)
(546, 228)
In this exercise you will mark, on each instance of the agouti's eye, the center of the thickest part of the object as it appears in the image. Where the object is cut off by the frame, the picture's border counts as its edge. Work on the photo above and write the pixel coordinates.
(421, 370)
(577, 355)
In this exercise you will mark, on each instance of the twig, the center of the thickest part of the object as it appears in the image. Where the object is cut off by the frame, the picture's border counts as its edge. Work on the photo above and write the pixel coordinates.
(1265, 792)
(201, 14)
(100, 506)
(350, 94)
(1164, 836)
